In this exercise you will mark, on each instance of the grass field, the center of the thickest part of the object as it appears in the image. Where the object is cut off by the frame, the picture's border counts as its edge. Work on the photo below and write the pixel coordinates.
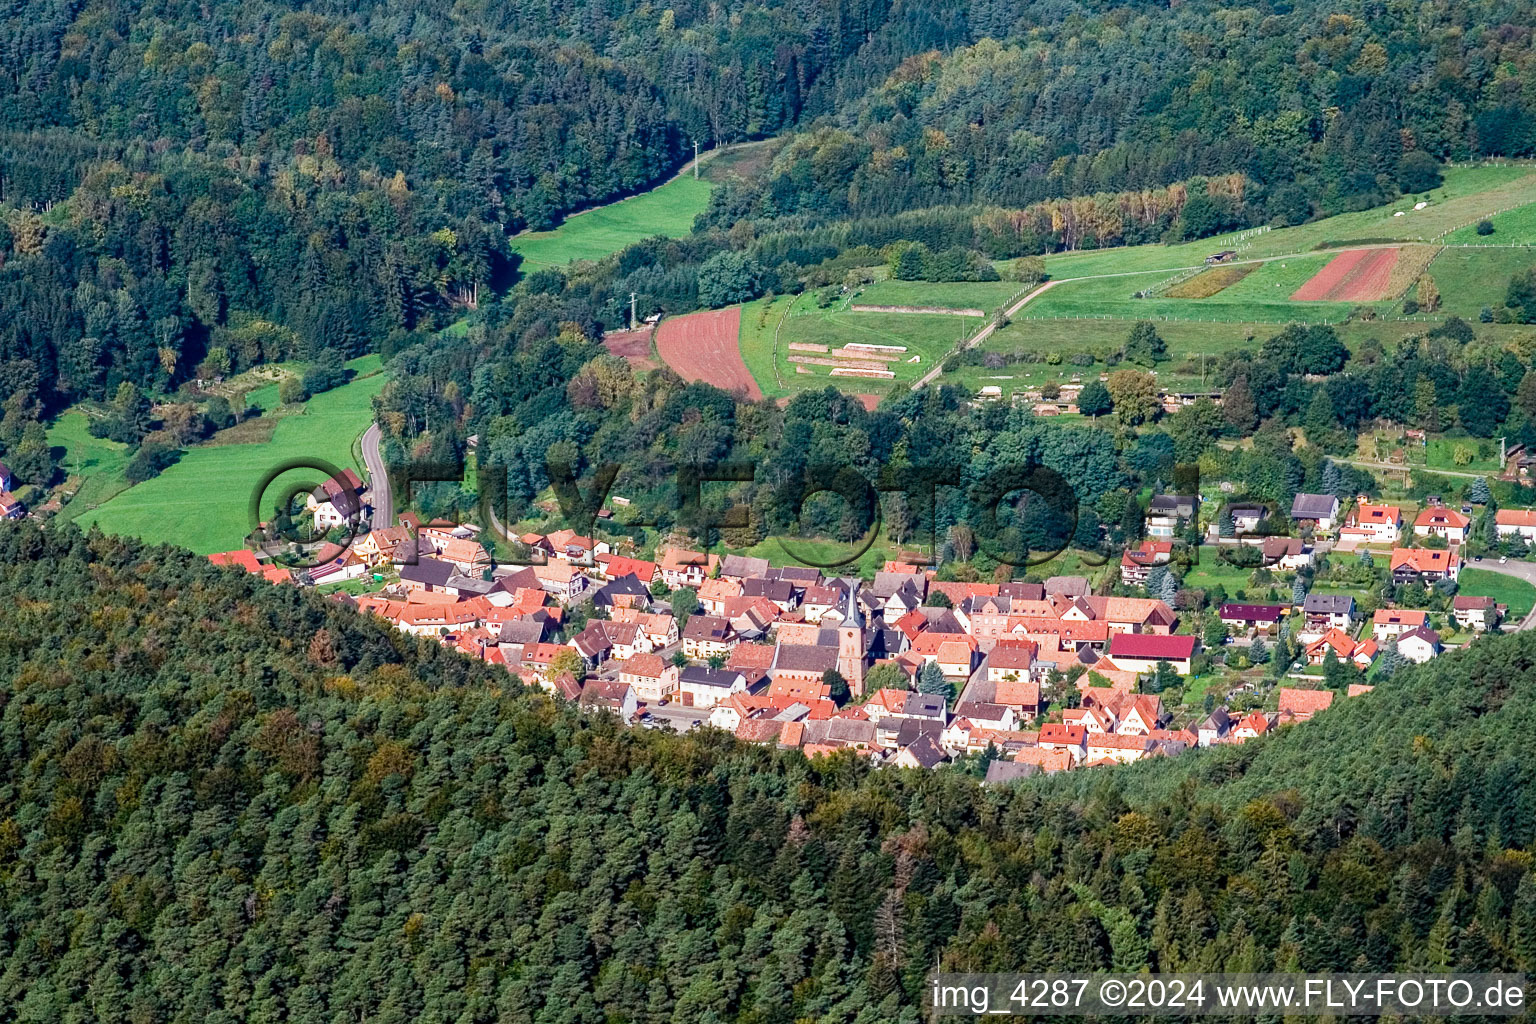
(1512, 227)
(929, 336)
(1262, 296)
(1510, 590)
(1468, 193)
(202, 502)
(97, 462)
(1472, 278)
(1440, 453)
(986, 295)
(668, 209)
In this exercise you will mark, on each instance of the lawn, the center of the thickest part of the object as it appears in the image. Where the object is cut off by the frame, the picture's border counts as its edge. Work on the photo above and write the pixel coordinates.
(1440, 453)
(97, 462)
(1512, 227)
(1472, 278)
(1510, 590)
(203, 501)
(668, 209)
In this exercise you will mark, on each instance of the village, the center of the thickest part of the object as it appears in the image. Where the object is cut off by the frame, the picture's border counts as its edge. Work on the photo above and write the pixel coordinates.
(907, 668)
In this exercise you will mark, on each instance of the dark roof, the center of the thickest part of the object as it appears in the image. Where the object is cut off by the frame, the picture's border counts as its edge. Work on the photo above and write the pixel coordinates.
(978, 710)
(884, 643)
(721, 677)
(429, 571)
(1008, 771)
(1069, 586)
(1175, 504)
(797, 575)
(926, 751)
(1328, 604)
(926, 705)
(523, 631)
(802, 658)
(522, 579)
(742, 566)
(1313, 506)
(604, 693)
(773, 590)
(624, 585)
(1035, 591)
(707, 627)
(1218, 720)
(909, 729)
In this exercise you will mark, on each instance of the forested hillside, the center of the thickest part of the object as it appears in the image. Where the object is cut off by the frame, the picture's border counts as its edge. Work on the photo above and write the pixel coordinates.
(191, 189)
(222, 800)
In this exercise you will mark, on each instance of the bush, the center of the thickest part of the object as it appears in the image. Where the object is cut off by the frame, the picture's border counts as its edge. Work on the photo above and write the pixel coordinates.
(151, 460)
(292, 390)
(1485, 227)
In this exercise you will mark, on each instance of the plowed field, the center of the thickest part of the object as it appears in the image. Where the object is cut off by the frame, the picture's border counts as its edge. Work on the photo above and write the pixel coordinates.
(706, 346)
(1356, 275)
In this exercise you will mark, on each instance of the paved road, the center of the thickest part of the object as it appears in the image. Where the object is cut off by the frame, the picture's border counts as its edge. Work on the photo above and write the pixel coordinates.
(378, 479)
(1518, 569)
(983, 334)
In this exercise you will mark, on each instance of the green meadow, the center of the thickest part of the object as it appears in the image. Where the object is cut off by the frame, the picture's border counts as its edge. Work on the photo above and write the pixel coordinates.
(926, 336)
(667, 209)
(203, 501)
(96, 462)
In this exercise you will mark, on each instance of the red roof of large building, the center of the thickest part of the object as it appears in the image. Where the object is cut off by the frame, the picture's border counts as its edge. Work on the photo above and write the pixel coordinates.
(1150, 646)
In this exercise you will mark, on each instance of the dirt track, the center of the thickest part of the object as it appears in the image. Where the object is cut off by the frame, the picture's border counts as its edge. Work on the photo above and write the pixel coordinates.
(707, 347)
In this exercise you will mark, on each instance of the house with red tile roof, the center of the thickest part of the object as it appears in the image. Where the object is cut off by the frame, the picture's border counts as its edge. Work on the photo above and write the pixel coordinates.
(1373, 524)
(1515, 522)
(1071, 738)
(1424, 565)
(1438, 521)
(1138, 562)
(1301, 705)
(612, 567)
(1389, 622)
(1251, 726)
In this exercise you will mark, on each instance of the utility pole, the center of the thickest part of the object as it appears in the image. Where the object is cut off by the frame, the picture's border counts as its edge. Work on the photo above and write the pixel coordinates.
(1501, 453)
(631, 310)
(695, 158)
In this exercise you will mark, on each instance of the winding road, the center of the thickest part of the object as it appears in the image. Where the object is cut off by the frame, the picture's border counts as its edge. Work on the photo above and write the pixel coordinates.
(378, 479)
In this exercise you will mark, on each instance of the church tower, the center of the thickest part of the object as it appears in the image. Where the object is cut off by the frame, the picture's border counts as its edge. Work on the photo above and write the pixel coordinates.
(850, 641)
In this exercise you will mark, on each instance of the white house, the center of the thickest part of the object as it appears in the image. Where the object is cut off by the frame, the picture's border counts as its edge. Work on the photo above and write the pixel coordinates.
(1419, 645)
(1516, 522)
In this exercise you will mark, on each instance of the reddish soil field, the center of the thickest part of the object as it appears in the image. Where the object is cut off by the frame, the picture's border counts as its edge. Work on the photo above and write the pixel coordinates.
(1358, 275)
(706, 346)
(634, 347)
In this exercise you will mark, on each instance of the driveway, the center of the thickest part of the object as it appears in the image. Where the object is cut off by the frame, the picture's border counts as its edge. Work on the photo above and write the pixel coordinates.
(677, 717)
(378, 479)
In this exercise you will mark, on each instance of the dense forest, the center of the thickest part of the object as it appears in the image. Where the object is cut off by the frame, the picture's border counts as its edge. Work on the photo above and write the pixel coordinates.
(188, 190)
(222, 800)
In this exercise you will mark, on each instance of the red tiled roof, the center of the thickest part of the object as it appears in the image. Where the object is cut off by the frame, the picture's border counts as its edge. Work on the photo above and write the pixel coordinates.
(1151, 646)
